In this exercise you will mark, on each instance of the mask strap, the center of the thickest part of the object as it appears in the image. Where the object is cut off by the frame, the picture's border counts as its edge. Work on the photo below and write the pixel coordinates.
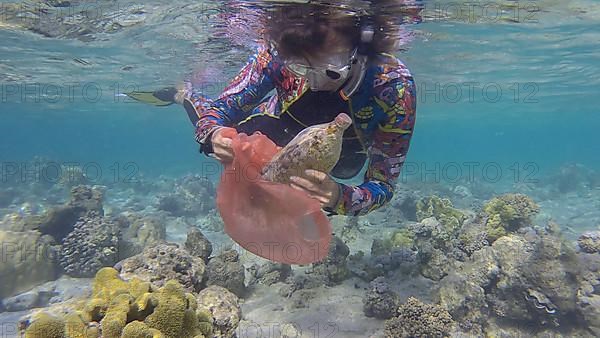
(358, 74)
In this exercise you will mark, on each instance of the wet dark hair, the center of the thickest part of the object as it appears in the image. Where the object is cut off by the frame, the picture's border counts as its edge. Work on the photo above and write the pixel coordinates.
(298, 30)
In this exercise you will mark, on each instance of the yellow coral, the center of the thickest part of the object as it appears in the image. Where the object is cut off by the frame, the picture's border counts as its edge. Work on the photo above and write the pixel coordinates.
(46, 326)
(494, 228)
(129, 309)
(507, 213)
(175, 316)
(138, 287)
(443, 210)
(95, 309)
(137, 329)
(116, 316)
(107, 284)
(205, 319)
(77, 327)
(168, 316)
(402, 239)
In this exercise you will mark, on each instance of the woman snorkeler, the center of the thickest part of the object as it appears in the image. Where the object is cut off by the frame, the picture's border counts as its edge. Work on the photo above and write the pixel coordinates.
(321, 62)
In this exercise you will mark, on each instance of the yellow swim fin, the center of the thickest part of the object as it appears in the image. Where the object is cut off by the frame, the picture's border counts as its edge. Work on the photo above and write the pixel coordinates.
(161, 97)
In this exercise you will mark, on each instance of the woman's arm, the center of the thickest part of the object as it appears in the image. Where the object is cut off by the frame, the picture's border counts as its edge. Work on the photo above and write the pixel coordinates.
(238, 99)
(387, 151)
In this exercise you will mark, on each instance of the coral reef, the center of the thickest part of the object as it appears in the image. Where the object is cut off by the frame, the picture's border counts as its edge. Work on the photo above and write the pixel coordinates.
(380, 301)
(588, 294)
(93, 244)
(212, 221)
(508, 213)
(227, 271)
(382, 261)
(442, 210)
(192, 196)
(351, 227)
(520, 278)
(71, 176)
(400, 239)
(573, 177)
(333, 268)
(223, 306)
(138, 232)
(416, 319)
(46, 326)
(589, 242)
(403, 205)
(436, 246)
(129, 309)
(198, 245)
(58, 222)
(164, 262)
(28, 259)
(270, 272)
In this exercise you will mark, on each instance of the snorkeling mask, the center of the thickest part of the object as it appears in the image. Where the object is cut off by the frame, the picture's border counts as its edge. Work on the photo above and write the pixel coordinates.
(339, 71)
(329, 75)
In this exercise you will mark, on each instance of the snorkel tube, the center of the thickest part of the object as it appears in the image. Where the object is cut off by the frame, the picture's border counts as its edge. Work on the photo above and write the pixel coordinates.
(359, 65)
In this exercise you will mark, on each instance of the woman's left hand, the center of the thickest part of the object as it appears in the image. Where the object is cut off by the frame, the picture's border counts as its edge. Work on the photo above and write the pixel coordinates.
(319, 186)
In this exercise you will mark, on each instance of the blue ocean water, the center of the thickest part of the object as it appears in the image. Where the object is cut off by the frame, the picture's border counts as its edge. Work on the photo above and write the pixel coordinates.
(490, 91)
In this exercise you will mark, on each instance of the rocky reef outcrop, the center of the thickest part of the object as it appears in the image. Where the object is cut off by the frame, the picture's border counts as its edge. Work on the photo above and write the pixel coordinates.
(589, 242)
(192, 195)
(58, 221)
(198, 245)
(269, 273)
(417, 319)
(139, 231)
(163, 262)
(525, 278)
(92, 245)
(588, 293)
(227, 271)
(28, 259)
(224, 308)
(380, 301)
(333, 268)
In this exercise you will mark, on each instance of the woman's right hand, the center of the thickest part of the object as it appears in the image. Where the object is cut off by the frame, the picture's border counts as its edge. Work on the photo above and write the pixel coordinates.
(221, 144)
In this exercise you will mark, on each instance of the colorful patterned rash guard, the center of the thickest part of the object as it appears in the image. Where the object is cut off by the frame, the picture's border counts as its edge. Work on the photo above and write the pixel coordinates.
(383, 110)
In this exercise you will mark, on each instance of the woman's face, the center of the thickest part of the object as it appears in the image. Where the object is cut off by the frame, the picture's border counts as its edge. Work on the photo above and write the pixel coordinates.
(328, 70)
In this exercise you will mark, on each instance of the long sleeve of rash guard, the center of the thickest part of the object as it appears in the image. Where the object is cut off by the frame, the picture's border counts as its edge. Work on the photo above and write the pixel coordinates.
(387, 151)
(238, 99)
